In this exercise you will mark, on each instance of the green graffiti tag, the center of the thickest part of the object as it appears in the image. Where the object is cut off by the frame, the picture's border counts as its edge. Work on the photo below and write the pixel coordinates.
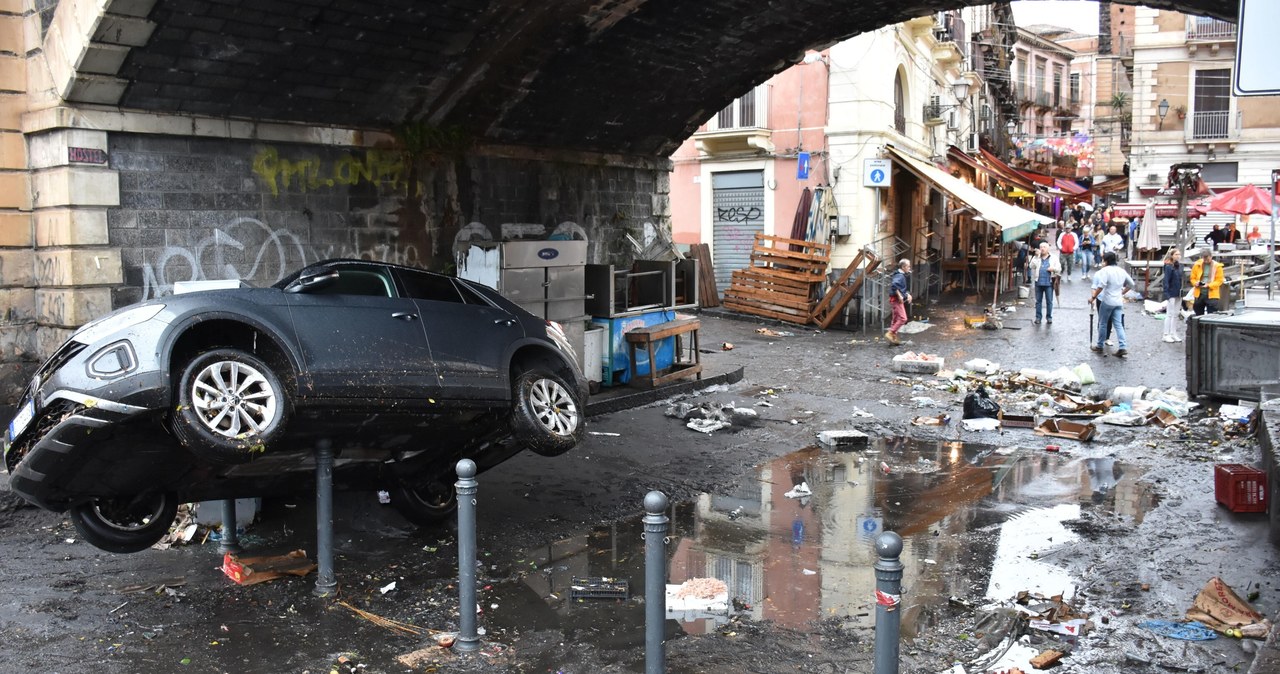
(308, 174)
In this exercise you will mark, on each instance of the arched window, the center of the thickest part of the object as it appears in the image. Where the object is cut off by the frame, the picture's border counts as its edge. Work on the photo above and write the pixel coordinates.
(899, 105)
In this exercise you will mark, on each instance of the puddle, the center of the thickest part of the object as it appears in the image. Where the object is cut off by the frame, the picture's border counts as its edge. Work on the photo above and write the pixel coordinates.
(977, 523)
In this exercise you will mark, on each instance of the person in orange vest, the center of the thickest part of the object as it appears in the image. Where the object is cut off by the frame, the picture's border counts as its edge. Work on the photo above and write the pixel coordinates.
(1206, 281)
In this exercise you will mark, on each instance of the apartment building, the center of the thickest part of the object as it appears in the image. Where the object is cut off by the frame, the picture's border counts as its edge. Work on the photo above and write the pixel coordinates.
(1049, 103)
(1184, 110)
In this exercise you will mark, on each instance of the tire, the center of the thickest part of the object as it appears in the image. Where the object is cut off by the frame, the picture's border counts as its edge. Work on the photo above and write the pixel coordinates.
(231, 407)
(547, 413)
(425, 505)
(125, 524)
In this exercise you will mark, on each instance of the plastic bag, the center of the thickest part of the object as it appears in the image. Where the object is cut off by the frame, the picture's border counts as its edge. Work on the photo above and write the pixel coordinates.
(979, 405)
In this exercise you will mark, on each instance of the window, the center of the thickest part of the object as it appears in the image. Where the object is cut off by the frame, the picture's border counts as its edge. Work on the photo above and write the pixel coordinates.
(1212, 103)
(740, 113)
(1057, 87)
(1040, 79)
(424, 286)
(899, 105)
(1221, 172)
(368, 281)
(1075, 88)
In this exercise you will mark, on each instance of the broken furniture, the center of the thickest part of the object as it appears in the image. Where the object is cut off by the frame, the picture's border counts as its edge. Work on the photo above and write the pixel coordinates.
(685, 362)
(782, 281)
(845, 288)
(648, 285)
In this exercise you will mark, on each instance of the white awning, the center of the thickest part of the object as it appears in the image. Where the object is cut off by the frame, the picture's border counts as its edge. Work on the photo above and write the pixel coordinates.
(1014, 222)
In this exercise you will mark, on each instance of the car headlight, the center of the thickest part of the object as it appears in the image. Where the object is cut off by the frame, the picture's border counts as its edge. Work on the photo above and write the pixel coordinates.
(96, 330)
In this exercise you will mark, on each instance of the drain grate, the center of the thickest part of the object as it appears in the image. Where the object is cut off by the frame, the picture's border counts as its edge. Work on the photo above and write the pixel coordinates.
(599, 588)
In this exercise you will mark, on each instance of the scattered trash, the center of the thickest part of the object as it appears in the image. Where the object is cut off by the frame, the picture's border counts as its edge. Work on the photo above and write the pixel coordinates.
(809, 572)
(446, 640)
(774, 333)
(862, 414)
(1072, 430)
(1221, 609)
(405, 628)
(388, 587)
(254, 570)
(924, 401)
(384, 497)
(157, 587)
(599, 588)
(1047, 659)
(183, 529)
(604, 434)
(799, 491)
(707, 426)
(914, 328)
(979, 405)
(940, 420)
(1017, 420)
(1186, 631)
(726, 346)
(980, 424)
(1053, 448)
(982, 366)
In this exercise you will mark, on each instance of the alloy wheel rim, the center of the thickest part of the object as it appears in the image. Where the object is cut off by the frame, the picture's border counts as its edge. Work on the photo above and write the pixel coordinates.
(554, 408)
(233, 399)
(128, 516)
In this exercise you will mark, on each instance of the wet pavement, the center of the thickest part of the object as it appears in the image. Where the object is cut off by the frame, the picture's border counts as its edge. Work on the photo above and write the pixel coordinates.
(984, 516)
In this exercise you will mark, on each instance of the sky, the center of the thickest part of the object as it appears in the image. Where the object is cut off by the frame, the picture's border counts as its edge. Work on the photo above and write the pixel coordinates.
(1079, 15)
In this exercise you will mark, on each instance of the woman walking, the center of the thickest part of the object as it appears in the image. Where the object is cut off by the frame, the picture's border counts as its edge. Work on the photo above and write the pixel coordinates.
(1172, 294)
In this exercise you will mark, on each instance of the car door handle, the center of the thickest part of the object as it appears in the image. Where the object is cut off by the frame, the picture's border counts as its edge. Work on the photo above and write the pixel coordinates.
(505, 321)
(405, 315)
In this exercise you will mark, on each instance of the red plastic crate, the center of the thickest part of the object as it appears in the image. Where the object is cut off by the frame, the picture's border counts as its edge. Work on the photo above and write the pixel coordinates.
(1241, 488)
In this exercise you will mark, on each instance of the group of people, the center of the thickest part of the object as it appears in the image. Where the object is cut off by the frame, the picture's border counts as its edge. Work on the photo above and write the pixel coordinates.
(1045, 268)
(1231, 235)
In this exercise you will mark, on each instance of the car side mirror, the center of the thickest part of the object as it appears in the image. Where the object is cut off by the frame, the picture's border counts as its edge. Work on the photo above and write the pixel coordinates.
(313, 279)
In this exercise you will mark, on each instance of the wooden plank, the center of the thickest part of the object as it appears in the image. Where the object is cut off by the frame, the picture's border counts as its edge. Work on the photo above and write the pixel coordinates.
(765, 313)
(782, 240)
(799, 304)
(789, 255)
(803, 277)
(843, 291)
(749, 276)
(708, 294)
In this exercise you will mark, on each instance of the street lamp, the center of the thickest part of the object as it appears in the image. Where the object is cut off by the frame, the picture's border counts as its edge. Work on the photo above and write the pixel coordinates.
(1162, 110)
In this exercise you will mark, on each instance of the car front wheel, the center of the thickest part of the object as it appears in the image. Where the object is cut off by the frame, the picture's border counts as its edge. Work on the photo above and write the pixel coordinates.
(231, 406)
(425, 505)
(125, 524)
(547, 414)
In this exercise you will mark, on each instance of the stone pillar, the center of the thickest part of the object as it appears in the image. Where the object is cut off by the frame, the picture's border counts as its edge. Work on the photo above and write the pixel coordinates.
(17, 298)
(75, 268)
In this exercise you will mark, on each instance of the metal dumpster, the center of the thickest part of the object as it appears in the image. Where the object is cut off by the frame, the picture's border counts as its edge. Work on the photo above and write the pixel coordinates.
(1233, 356)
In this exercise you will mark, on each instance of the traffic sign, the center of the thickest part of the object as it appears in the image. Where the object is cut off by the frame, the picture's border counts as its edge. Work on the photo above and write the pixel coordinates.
(876, 172)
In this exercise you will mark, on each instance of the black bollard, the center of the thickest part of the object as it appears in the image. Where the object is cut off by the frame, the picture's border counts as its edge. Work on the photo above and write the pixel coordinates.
(326, 583)
(888, 602)
(466, 487)
(230, 537)
(655, 582)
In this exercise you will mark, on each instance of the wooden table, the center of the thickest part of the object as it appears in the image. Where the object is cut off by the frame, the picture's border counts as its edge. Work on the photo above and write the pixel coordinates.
(686, 360)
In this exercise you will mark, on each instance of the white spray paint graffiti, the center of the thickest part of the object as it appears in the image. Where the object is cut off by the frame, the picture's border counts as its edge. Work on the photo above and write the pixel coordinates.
(222, 255)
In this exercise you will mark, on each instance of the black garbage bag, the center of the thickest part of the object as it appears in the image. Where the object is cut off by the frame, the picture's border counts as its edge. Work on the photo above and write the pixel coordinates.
(979, 405)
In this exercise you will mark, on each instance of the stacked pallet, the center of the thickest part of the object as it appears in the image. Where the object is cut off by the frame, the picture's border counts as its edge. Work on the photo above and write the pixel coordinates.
(783, 281)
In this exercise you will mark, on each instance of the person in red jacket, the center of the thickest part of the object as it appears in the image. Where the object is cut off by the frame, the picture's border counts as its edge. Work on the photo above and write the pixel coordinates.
(1068, 244)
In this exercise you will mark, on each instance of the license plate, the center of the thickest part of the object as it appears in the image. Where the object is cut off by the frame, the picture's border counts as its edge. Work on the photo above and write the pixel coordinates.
(20, 421)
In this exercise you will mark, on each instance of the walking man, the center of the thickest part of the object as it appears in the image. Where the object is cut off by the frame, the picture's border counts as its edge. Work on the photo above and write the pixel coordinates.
(898, 299)
(1044, 269)
(1112, 242)
(1067, 243)
(1109, 285)
(1206, 279)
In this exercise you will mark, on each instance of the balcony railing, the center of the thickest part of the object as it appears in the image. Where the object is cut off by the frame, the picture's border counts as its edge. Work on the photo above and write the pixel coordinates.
(746, 112)
(1205, 28)
(1044, 99)
(1213, 125)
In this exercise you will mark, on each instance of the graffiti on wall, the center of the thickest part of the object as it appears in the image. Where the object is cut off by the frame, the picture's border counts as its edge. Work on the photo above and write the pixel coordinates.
(307, 174)
(246, 249)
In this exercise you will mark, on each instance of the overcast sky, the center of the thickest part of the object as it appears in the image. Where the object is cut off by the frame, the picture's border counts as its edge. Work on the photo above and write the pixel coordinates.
(1078, 15)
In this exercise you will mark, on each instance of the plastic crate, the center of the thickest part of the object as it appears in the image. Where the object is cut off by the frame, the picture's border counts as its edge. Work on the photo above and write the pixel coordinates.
(1241, 488)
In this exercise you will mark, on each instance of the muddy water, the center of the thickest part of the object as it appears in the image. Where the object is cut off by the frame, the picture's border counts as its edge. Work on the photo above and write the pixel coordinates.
(978, 523)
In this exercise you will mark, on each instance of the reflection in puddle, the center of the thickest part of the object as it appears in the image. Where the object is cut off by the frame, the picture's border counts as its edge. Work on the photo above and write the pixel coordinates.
(976, 523)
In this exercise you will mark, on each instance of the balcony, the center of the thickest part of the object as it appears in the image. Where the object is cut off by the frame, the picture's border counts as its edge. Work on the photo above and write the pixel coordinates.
(1044, 99)
(1200, 28)
(934, 114)
(741, 127)
(1213, 125)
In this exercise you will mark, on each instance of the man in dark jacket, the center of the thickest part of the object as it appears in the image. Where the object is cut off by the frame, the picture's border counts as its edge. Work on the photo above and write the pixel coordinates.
(899, 297)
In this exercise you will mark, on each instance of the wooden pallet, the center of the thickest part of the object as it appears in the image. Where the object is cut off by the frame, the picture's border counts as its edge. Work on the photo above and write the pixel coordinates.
(782, 280)
(708, 295)
(844, 290)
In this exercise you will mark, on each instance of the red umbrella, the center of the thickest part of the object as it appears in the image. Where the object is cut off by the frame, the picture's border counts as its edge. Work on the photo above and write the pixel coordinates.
(1242, 201)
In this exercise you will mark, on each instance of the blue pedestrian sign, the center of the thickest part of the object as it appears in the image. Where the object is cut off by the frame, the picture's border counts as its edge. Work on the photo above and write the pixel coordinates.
(876, 173)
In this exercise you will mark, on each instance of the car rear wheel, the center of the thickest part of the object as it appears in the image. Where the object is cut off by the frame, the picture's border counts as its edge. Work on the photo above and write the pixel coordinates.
(425, 505)
(547, 415)
(231, 406)
(126, 523)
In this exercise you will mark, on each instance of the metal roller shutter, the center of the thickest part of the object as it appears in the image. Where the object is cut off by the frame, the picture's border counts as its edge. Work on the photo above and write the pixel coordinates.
(737, 204)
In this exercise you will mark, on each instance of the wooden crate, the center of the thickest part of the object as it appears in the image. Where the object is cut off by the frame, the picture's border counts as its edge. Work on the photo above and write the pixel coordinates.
(782, 281)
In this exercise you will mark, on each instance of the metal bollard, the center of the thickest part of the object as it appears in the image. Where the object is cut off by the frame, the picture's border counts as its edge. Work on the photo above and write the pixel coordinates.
(230, 538)
(466, 486)
(888, 601)
(326, 583)
(655, 582)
